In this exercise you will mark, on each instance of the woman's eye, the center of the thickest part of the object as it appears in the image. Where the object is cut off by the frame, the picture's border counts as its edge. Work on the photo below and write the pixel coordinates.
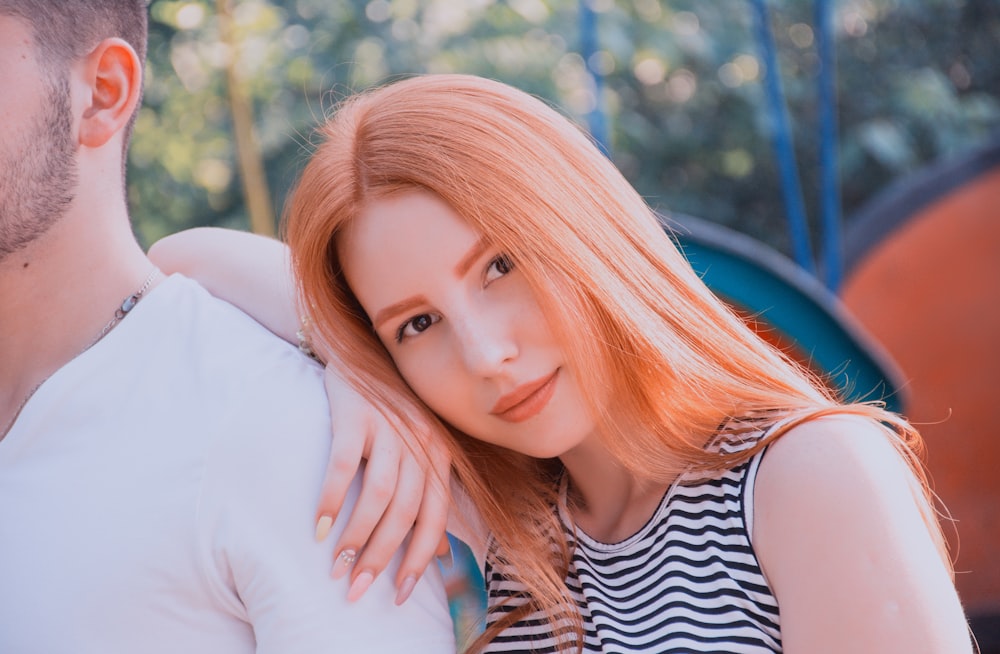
(499, 266)
(416, 325)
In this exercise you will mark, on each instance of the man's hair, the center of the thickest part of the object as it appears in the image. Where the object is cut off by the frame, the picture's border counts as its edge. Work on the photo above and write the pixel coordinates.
(67, 29)
(64, 30)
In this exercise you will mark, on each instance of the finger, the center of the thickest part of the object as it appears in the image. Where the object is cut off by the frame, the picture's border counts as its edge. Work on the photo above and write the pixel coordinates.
(346, 452)
(428, 540)
(393, 529)
(444, 547)
(350, 432)
(378, 487)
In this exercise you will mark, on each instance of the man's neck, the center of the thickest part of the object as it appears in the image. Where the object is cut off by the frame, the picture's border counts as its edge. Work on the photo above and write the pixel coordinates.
(57, 295)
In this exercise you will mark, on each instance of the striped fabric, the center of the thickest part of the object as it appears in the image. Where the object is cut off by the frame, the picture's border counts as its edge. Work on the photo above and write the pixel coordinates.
(688, 581)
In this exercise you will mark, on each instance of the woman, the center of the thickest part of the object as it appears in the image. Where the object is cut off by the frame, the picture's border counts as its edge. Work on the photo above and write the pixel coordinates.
(652, 475)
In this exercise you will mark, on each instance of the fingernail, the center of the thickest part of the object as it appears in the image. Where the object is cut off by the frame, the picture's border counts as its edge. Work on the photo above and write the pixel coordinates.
(360, 585)
(323, 527)
(343, 563)
(405, 589)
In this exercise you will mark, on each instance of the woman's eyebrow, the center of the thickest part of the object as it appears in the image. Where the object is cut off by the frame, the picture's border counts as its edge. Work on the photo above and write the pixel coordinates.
(398, 308)
(470, 257)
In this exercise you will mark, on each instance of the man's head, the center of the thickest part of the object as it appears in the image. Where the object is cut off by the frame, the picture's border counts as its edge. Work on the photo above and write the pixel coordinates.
(44, 41)
(65, 30)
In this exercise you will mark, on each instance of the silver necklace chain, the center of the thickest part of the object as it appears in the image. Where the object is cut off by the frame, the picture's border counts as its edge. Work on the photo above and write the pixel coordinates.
(127, 305)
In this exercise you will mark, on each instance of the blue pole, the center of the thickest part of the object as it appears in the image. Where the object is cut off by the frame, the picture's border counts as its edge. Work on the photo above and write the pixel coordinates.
(830, 178)
(588, 48)
(781, 140)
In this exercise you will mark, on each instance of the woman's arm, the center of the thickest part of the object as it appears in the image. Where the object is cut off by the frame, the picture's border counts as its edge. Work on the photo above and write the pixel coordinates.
(250, 271)
(842, 540)
(404, 487)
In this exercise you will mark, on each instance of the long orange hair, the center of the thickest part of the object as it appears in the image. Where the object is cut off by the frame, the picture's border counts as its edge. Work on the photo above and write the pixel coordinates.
(636, 323)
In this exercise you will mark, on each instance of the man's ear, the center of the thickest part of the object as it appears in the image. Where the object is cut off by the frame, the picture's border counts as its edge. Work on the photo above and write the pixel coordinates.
(113, 78)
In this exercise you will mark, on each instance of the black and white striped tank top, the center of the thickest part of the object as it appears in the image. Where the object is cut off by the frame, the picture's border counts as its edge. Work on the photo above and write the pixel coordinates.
(688, 581)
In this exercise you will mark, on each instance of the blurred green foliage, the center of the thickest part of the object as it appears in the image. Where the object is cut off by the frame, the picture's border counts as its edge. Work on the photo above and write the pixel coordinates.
(917, 81)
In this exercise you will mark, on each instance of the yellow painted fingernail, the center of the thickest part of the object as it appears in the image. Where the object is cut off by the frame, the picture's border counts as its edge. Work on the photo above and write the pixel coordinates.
(323, 527)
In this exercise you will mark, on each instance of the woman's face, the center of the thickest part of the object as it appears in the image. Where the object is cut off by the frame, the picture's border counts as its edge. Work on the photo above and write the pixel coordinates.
(463, 326)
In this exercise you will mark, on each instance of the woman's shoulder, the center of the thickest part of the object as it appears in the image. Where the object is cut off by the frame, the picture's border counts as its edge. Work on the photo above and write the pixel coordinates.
(824, 467)
(845, 535)
(841, 453)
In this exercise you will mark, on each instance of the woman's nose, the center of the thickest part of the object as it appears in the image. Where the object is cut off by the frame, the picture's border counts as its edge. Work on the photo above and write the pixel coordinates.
(487, 343)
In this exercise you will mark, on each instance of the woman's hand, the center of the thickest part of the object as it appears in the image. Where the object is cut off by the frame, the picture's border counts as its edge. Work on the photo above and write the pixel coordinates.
(404, 489)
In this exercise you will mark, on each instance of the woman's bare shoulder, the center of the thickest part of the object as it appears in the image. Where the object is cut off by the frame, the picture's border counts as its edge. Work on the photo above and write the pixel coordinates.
(846, 538)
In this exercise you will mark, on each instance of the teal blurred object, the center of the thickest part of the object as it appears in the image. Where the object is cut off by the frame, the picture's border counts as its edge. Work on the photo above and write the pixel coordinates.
(761, 283)
(466, 592)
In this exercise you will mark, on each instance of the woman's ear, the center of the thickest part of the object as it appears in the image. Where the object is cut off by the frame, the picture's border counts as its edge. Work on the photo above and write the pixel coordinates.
(113, 79)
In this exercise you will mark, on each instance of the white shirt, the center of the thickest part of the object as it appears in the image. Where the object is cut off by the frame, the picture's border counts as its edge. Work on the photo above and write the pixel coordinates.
(157, 494)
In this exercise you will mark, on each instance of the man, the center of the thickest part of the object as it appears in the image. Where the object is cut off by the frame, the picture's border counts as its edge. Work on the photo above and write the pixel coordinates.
(160, 453)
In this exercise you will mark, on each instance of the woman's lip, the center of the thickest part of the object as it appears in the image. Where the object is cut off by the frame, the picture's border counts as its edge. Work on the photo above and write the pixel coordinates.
(526, 400)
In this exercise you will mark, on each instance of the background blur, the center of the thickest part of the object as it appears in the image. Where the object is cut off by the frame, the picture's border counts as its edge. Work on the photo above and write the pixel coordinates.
(918, 81)
(235, 87)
